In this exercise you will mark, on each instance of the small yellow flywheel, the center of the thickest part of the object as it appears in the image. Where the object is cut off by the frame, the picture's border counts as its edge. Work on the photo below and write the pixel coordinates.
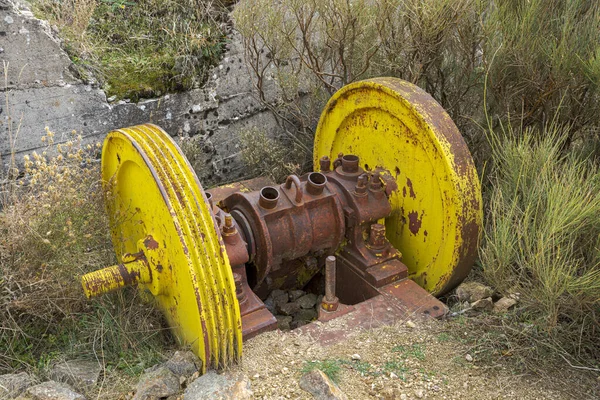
(437, 208)
(167, 241)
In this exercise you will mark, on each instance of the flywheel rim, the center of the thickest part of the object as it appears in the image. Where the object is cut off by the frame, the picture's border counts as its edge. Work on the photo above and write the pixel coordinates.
(395, 125)
(219, 341)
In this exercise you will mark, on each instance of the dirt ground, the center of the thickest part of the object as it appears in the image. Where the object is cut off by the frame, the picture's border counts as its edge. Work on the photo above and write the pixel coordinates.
(424, 359)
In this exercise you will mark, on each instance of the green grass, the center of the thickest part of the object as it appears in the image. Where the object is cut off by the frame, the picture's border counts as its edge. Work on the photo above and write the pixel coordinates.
(139, 49)
(416, 350)
(331, 368)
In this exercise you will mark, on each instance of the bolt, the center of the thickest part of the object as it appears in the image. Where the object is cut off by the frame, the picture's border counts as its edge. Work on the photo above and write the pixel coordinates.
(325, 164)
(330, 302)
(377, 236)
(361, 185)
(229, 227)
(239, 288)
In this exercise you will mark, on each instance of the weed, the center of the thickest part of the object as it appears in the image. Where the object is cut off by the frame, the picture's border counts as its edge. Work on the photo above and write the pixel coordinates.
(331, 368)
(415, 351)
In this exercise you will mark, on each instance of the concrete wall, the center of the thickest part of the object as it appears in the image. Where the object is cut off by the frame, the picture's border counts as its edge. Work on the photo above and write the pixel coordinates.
(42, 91)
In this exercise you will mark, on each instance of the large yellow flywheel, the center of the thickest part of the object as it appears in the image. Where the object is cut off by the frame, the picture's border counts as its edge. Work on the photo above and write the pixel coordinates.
(437, 208)
(166, 237)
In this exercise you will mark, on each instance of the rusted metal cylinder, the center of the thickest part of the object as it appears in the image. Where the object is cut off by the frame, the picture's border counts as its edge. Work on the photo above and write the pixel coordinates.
(315, 183)
(350, 163)
(268, 197)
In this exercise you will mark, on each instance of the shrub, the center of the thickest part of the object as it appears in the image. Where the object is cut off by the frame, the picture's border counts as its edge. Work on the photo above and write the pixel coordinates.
(543, 58)
(542, 235)
(53, 229)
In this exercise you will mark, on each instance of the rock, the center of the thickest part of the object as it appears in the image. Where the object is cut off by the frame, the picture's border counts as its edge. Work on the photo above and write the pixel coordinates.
(307, 315)
(51, 390)
(269, 305)
(283, 322)
(483, 305)
(320, 386)
(288, 308)
(355, 357)
(411, 324)
(419, 393)
(298, 324)
(183, 363)
(504, 304)
(296, 294)
(469, 358)
(12, 385)
(473, 291)
(307, 301)
(279, 298)
(160, 382)
(80, 374)
(225, 386)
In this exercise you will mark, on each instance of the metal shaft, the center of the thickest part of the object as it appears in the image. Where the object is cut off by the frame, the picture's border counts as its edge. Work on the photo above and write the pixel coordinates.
(330, 278)
(115, 277)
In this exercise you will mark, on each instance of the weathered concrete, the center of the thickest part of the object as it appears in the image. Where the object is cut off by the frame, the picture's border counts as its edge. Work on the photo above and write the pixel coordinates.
(41, 91)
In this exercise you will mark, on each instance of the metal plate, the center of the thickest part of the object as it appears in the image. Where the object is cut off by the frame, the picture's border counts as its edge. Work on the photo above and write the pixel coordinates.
(437, 209)
(152, 190)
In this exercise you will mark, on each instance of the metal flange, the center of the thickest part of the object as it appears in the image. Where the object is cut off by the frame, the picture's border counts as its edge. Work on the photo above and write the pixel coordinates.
(165, 235)
(436, 215)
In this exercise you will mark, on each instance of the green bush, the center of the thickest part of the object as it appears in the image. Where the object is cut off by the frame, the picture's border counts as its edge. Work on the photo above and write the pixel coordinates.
(542, 236)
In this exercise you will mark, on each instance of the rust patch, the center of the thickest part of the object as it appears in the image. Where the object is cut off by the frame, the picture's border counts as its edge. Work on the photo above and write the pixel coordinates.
(414, 222)
(159, 268)
(410, 186)
(150, 243)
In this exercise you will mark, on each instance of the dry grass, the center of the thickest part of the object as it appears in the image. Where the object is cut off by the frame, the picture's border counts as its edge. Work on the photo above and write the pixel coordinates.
(53, 229)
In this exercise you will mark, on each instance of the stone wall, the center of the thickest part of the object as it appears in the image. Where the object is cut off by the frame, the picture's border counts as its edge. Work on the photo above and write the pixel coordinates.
(41, 90)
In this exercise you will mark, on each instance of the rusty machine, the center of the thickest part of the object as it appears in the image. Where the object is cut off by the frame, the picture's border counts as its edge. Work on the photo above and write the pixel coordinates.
(391, 214)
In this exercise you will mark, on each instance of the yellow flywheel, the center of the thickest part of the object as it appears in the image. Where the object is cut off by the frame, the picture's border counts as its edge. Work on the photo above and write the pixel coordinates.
(167, 240)
(437, 208)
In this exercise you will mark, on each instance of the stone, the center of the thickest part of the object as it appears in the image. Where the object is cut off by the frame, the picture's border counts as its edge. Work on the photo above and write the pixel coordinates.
(226, 386)
(411, 324)
(483, 304)
(289, 309)
(504, 304)
(320, 386)
(279, 298)
(298, 324)
(307, 315)
(307, 301)
(296, 294)
(183, 363)
(473, 291)
(51, 390)
(355, 357)
(12, 385)
(156, 383)
(419, 393)
(283, 322)
(469, 358)
(80, 374)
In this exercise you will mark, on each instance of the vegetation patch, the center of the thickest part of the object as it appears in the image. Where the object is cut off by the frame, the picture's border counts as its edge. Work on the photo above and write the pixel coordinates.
(53, 229)
(139, 49)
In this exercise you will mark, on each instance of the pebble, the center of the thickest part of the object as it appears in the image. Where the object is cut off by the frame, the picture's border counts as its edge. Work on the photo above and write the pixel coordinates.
(469, 358)
(419, 393)
(356, 357)
(411, 324)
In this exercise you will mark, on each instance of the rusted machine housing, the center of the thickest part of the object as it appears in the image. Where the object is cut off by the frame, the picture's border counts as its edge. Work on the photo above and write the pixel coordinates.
(278, 237)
